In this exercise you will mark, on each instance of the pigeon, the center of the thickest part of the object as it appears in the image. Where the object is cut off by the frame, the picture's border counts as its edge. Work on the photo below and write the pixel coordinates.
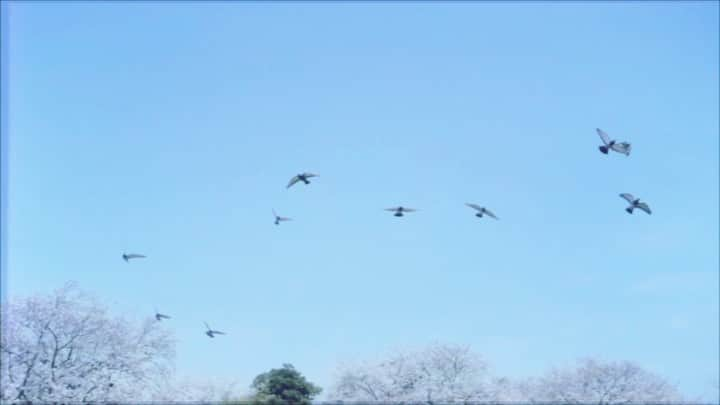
(301, 177)
(127, 257)
(635, 203)
(211, 332)
(160, 317)
(279, 219)
(611, 144)
(399, 210)
(481, 211)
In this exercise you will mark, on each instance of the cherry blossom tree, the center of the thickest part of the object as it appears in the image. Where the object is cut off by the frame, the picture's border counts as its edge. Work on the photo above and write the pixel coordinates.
(65, 347)
(604, 383)
(440, 373)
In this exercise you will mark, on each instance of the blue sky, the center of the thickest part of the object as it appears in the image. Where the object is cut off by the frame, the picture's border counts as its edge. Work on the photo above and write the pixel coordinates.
(171, 129)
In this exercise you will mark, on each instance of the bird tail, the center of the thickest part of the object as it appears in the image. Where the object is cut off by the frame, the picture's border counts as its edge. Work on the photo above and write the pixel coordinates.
(603, 149)
(629, 210)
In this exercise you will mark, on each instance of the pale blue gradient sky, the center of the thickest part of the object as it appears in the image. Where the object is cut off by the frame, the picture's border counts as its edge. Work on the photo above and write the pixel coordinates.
(171, 129)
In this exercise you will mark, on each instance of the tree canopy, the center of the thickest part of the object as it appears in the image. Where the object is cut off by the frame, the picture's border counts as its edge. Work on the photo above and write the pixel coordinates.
(284, 385)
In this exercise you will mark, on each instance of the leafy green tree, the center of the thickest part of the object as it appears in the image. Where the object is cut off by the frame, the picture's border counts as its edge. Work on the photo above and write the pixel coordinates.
(283, 386)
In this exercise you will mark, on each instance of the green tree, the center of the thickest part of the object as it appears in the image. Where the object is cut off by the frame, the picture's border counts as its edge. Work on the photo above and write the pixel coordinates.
(283, 386)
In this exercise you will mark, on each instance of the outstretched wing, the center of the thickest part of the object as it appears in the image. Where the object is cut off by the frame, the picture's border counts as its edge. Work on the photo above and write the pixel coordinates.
(207, 326)
(310, 175)
(164, 316)
(622, 147)
(488, 213)
(605, 138)
(644, 207)
(217, 332)
(294, 180)
(629, 197)
(284, 219)
(474, 206)
(392, 209)
(409, 209)
(135, 256)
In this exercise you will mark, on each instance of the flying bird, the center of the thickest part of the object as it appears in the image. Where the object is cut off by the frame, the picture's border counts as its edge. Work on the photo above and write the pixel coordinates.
(211, 332)
(611, 144)
(635, 203)
(301, 177)
(481, 211)
(400, 210)
(127, 257)
(160, 316)
(279, 219)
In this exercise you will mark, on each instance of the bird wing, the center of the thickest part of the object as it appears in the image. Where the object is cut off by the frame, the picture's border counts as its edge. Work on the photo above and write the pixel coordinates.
(643, 206)
(284, 219)
(409, 209)
(294, 180)
(207, 326)
(164, 316)
(475, 206)
(392, 209)
(310, 175)
(629, 197)
(622, 147)
(605, 138)
(274, 213)
(488, 213)
(217, 332)
(135, 256)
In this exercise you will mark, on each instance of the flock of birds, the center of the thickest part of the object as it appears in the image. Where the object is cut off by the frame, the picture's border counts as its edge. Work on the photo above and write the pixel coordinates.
(608, 145)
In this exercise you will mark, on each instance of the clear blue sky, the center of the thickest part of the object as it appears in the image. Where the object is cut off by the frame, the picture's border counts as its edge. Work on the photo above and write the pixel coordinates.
(171, 129)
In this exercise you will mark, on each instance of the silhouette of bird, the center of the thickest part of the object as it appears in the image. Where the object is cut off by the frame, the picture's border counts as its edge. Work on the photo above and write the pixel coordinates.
(127, 257)
(301, 177)
(611, 144)
(400, 210)
(481, 211)
(635, 203)
(159, 316)
(211, 332)
(279, 219)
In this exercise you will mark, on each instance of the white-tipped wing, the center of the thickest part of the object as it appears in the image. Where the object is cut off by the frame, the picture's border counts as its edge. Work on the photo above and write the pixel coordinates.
(605, 138)
(135, 256)
(622, 147)
(294, 180)
(629, 197)
(474, 206)
(643, 206)
(488, 213)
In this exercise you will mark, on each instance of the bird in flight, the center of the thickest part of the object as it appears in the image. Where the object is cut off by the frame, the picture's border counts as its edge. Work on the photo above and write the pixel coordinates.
(635, 203)
(301, 177)
(211, 332)
(481, 211)
(398, 211)
(160, 316)
(127, 257)
(611, 144)
(279, 219)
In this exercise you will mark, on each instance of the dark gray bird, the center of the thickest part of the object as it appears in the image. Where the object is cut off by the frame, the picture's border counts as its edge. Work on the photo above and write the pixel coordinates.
(400, 210)
(481, 211)
(635, 203)
(611, 144)
(211, 332)
(279, 219)
(159, 316)
(301, 177)
(127, 257)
